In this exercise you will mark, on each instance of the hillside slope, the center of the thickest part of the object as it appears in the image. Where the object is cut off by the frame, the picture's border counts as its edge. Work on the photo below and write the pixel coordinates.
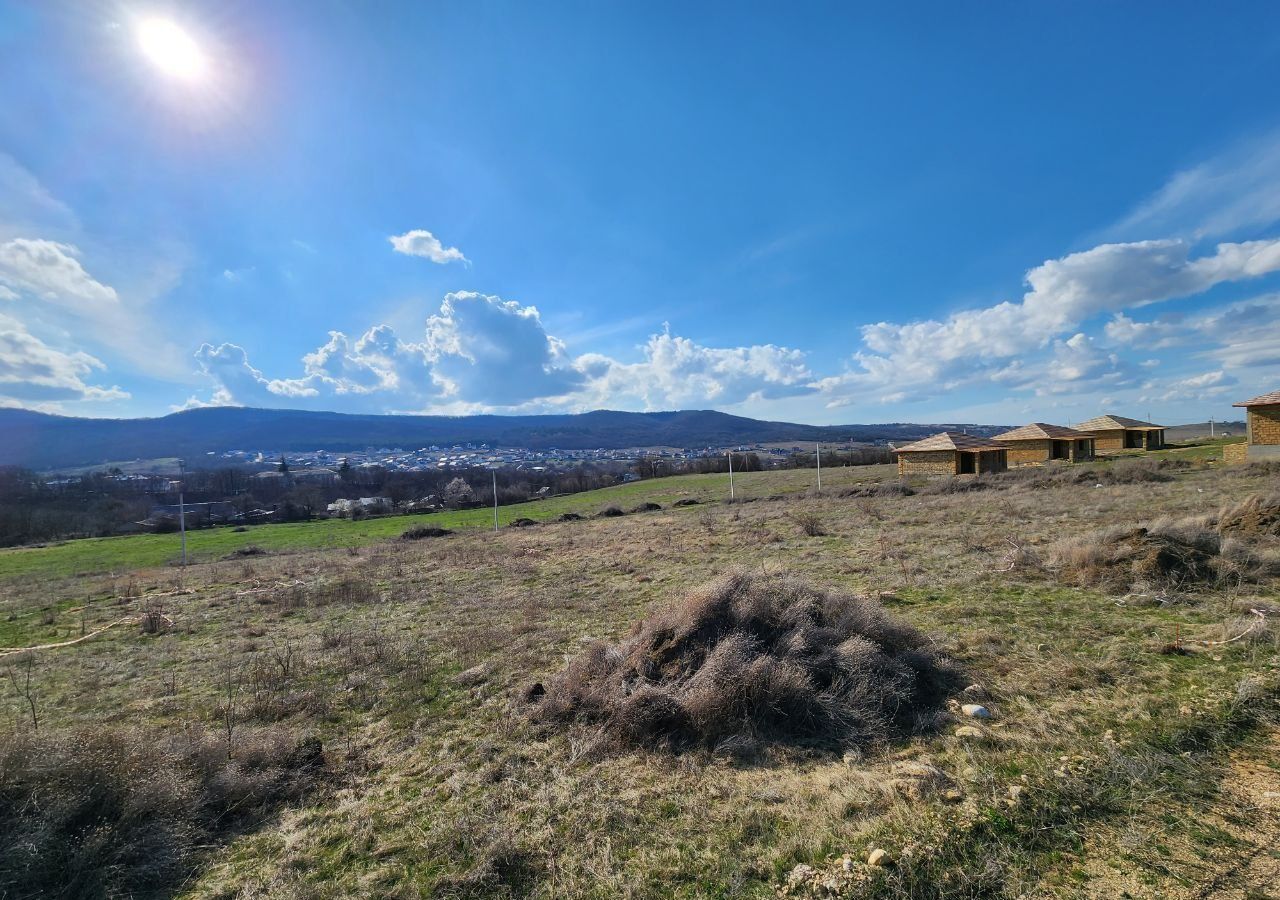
(46, 441)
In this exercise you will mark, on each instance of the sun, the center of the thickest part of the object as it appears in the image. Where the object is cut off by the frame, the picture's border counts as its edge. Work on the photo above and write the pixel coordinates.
(172, 50)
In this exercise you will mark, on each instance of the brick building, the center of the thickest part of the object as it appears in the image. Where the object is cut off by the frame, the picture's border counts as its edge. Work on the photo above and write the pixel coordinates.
(1112, 434)
(1038, 444)
(1263, 420)
(951, 453)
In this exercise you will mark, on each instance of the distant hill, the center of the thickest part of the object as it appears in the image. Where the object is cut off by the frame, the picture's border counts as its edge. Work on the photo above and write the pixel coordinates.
(43, 441)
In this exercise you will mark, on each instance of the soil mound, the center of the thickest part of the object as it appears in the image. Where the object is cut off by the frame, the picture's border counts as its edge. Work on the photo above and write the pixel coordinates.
(417, 532)
(1123, 557)
(1252, 515)
(750, 660)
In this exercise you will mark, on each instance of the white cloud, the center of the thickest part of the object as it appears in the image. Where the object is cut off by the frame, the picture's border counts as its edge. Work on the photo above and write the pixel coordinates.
(679, 373)
(977, 345)
(1239, 188)
(481, 353)
(7, 293)
(1205, 387)
(50, 271)
(425, 244)
(1237, 335)
(33, 372)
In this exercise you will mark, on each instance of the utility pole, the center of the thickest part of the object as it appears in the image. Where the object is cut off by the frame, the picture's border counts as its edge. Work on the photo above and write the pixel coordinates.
(730, 474)
(182, 508)
(495, 499)
(817, 449)
(1211, 434)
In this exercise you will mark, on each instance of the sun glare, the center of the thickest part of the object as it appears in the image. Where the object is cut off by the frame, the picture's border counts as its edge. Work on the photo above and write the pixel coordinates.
(171, 49)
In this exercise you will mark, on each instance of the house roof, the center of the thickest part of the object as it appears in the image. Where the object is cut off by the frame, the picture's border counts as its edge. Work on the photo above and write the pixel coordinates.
(1115, 423)
(1039, 431)
(950, 440)
(1271, 399)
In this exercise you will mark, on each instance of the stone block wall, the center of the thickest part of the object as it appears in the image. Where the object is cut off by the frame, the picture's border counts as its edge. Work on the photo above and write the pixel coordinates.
(1028, 453)
(1264, 424)
(927, 462)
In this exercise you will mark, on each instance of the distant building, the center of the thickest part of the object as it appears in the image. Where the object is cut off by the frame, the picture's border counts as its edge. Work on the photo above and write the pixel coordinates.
(1111, 434)
(952, 453)
(1263, 427)
(1038, 444)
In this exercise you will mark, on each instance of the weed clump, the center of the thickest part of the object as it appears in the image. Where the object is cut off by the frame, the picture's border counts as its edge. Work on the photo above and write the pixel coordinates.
(751, 660)
(418, 532)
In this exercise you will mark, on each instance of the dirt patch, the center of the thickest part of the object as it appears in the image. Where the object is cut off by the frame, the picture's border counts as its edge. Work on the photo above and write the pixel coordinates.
(751, 660)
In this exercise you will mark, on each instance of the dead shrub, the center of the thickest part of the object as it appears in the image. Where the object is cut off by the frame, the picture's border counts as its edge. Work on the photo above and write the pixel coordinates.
(687, 501)
(810, 523)
(646, 507)
(349, 589)
(751, 660)
(522, 523)
(610, 512)
(571, 517)
(119, 813)
(248, 550)
(418, 532)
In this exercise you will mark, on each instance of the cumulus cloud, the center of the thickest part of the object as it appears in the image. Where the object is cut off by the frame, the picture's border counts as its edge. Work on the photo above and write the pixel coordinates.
(480, 352)
(51, 271)
(33, 372)
(977, 345)
(1205, 387)
(425, 244)
(676, 372)
(1238, 335)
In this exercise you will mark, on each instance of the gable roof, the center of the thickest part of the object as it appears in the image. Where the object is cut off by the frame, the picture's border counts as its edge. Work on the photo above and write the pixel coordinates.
(950, 440)
(1271, 399)
(1114, 423)
(1039, 431)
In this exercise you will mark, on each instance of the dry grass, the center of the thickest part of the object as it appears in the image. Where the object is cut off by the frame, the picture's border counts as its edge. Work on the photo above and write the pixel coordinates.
(405, 658)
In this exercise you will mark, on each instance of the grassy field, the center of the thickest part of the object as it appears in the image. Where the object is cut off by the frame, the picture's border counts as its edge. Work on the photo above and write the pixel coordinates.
(1115, 710)
(121, 554)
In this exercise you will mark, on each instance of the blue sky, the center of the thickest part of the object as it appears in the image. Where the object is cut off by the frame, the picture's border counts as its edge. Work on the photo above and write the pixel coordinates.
(824, 213)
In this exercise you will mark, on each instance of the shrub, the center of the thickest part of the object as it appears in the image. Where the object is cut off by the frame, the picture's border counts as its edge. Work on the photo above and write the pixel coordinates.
(754, 659)
(571, 517)
(810, 523)
(116, 812)
(522, 523)
(611, 512)
(687, 501)
(647, 507)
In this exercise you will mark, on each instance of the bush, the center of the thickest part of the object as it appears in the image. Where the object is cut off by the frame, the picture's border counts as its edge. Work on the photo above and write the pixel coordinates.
(755, 659)
(687, 501)
(810, 523)
(647, 507)
(1253, 515)
(611, 512)
(115, 812)
(522, 523)
(571, 517)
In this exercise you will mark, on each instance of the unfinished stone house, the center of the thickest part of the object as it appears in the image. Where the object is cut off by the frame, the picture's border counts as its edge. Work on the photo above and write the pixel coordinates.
(1111, 434)
(1039, 444)
(1263, 420)
(951, 453)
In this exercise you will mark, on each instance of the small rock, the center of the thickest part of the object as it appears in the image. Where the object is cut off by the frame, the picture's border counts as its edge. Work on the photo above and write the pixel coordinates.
(974, 690)
(953, 796)
(800, 874)
(878, 857)
(976, 711)
(969, 732)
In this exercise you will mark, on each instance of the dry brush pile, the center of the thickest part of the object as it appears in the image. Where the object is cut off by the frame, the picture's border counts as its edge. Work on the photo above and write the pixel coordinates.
(752, 660)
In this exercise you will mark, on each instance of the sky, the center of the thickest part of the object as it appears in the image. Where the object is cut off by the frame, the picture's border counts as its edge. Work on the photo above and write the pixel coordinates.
(815, 212)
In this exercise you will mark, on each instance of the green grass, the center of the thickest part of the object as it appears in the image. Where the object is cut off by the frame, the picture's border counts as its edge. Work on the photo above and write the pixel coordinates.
(125, 553)
(1200, 450)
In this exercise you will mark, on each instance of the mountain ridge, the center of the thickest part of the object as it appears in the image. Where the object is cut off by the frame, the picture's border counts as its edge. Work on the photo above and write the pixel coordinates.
(44, 440)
